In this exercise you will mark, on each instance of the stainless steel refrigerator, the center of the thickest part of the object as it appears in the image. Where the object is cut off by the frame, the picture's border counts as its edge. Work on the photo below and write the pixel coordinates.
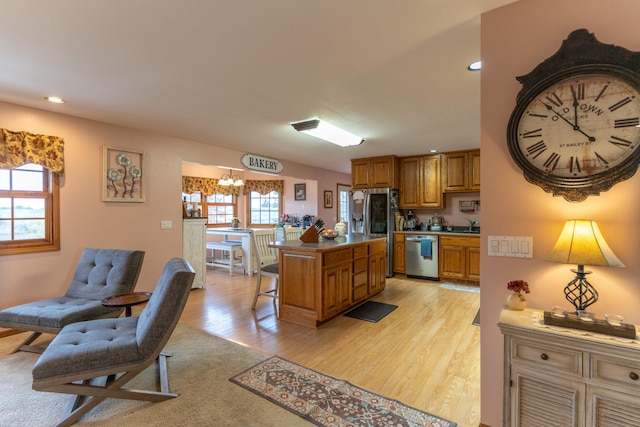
(373, 214)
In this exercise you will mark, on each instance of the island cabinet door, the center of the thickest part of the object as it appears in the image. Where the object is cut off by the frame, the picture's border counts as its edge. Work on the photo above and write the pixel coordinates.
(336, 282)
(377, 267)
(337, 289)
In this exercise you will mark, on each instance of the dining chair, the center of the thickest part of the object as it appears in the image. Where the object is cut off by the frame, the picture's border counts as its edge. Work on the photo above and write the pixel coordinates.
(266, 261)
(292, 233)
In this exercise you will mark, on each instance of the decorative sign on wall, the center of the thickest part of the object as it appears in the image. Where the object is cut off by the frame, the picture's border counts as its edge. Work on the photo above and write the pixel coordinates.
(262, 164)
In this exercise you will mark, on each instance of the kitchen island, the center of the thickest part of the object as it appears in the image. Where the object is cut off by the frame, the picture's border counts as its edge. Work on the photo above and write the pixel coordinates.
(319, 281)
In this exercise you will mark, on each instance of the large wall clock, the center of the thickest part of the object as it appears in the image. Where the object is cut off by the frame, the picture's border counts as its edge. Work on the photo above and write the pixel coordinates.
(575, 130)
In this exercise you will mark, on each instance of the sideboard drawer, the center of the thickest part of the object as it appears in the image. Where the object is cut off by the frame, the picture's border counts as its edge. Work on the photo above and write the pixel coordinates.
(615, 370)
(560, 359)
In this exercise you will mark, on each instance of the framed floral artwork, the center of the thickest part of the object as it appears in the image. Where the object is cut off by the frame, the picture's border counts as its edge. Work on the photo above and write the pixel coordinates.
(123, 175)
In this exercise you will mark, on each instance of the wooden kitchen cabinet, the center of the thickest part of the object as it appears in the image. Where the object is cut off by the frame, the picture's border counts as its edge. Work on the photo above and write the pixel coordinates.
(399, 261)
(336, 282)
(421, 182)
(375, 172)
(461, 171)
(555, 377)
(460, 258)
(377, 267)
(360, 272)
(319, 281)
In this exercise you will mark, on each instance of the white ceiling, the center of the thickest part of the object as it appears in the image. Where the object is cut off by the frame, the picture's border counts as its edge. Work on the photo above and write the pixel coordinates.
(235, 73)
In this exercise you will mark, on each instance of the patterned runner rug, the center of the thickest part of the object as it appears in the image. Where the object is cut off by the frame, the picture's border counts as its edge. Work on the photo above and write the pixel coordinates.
(326, 401)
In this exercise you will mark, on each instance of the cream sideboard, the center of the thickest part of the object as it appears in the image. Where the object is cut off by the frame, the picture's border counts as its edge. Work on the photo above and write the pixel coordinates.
(563, 377)
(194, 240)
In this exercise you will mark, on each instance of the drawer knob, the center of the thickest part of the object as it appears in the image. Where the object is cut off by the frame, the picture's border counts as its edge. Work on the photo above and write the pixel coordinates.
(633, 376)
(544, 356)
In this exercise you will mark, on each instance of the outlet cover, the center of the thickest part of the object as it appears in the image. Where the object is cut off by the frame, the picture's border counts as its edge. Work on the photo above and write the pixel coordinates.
(166, 225)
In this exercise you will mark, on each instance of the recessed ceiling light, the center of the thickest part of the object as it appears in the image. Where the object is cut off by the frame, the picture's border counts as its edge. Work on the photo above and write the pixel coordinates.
(55, 99)
(433, 150)
(475, 66)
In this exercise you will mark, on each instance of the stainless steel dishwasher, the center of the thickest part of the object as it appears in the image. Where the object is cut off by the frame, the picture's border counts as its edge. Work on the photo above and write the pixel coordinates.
(421, 257)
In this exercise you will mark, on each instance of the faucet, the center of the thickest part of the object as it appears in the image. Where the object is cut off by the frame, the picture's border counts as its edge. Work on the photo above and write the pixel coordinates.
(471, 224)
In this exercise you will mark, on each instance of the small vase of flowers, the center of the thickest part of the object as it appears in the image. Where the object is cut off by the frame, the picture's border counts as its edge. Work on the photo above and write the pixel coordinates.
(515, 300)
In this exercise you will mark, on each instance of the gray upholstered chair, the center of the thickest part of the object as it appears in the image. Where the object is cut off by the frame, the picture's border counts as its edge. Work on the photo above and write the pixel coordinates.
(100, 273)
(96, 358)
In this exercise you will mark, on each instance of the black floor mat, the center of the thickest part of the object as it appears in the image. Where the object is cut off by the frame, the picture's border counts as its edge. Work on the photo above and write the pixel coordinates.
(476, 320)
(371, 311)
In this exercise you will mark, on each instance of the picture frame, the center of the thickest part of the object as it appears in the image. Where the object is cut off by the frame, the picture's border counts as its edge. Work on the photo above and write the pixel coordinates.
(328, 199)
(123, 178)
(300, 191)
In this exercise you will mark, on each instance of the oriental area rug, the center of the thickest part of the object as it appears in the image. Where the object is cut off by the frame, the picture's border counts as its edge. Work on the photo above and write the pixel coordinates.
(327, 401)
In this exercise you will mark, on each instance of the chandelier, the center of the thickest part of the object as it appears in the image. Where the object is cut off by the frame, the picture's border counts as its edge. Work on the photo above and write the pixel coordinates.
(230, 180)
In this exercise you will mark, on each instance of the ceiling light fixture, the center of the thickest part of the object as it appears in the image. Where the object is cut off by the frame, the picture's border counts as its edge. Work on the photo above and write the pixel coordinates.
(229, 180)
(475, 66)
(328, 132)
(55, 99)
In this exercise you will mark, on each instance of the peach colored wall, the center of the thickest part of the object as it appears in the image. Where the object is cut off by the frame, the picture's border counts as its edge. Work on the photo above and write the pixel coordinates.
(515, 39)
(87, 221)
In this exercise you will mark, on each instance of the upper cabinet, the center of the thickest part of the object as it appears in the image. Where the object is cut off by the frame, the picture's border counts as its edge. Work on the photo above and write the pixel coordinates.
(375, 172)
(461, 171)
(420, 182)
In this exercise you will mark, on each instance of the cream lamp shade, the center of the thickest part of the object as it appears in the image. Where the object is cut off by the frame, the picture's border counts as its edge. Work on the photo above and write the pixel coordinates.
(582, 243)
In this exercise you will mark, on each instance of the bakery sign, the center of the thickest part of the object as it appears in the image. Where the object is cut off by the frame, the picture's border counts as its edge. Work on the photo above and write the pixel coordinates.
(262, 164)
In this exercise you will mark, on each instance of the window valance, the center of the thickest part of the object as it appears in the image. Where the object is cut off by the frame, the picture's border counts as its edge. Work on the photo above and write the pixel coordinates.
(208, 186)
(263, 187)
(20, 148)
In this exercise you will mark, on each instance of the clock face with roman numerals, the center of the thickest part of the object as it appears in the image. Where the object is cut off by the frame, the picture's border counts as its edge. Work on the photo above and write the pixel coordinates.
(580, 126)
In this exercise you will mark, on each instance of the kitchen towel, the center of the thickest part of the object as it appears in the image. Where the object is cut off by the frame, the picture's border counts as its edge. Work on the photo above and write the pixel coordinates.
(425, 248)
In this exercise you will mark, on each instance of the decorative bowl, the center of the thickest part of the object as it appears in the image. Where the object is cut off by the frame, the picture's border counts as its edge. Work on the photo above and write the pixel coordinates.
(328, 234)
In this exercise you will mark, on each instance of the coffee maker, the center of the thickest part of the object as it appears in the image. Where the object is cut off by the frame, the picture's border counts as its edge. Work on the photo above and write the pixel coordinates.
(410, 222)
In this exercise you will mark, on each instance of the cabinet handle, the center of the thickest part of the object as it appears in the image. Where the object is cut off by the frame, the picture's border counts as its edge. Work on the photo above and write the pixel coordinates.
(633, 376)
(544, 356)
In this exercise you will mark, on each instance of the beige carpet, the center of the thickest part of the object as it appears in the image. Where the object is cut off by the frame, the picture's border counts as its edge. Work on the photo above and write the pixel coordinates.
(199, 372)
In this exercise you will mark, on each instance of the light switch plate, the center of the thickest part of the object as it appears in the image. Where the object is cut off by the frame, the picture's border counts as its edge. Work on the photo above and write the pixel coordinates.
(166, 225)
(511, 246)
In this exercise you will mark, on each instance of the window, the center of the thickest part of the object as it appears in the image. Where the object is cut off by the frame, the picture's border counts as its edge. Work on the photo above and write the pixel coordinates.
(264, 209)
(29, 210)
(344, 204)
(219, 209)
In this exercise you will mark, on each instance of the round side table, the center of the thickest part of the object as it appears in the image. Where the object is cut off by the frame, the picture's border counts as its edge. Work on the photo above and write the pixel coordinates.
(126, 300)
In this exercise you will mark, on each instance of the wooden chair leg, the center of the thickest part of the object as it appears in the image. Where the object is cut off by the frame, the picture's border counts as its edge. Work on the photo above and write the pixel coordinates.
(255, 296)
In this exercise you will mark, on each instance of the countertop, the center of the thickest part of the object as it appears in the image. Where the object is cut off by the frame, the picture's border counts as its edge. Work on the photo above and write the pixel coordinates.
(324, 244)
(440, 233)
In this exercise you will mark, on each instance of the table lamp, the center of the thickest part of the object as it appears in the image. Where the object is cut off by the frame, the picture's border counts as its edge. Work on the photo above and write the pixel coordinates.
(582, 243)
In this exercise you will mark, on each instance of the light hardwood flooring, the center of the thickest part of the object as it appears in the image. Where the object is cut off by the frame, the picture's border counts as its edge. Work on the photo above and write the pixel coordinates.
(426, 353)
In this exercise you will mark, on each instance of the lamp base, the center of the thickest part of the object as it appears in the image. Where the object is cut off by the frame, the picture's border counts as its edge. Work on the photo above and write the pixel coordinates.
(579, 292)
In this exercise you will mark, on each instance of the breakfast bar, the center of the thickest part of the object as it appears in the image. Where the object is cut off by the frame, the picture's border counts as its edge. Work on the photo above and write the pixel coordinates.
(319, 281)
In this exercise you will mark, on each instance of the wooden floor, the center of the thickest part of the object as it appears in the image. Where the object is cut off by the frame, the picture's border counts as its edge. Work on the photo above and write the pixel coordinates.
(426, 353)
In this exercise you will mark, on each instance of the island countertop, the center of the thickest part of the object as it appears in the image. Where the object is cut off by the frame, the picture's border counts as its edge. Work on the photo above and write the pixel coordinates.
(323, 244)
